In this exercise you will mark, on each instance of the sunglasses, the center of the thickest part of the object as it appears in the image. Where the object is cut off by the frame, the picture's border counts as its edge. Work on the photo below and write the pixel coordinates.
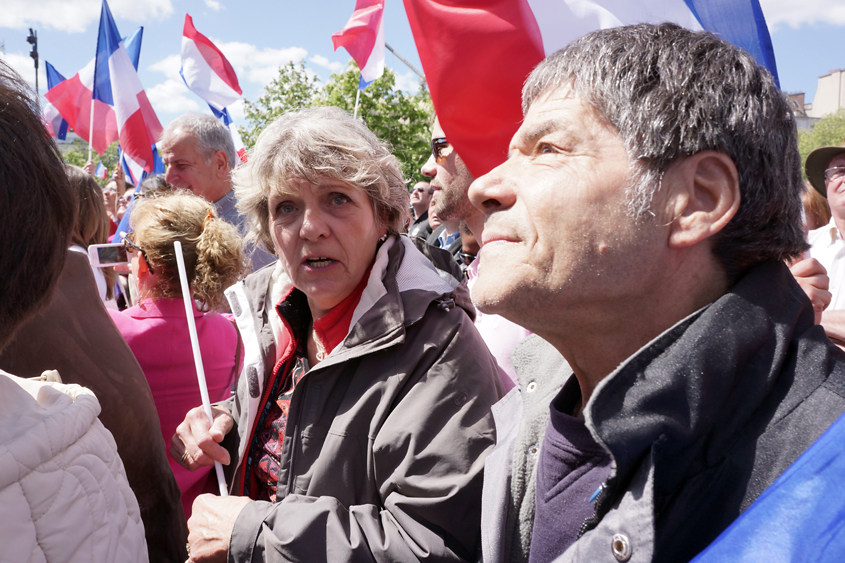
(421, 190)
(466, 257)
(439, 145)
(130, 246)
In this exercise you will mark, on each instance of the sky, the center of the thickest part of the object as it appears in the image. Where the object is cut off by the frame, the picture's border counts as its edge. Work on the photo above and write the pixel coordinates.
(258, 36)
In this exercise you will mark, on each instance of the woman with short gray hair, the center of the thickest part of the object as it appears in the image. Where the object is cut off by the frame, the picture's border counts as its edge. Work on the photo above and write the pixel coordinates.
(362, 416)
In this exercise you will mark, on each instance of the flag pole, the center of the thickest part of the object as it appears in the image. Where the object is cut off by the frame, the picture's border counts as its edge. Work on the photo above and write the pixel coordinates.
(195, 346)
(91, 128)
(357, 99)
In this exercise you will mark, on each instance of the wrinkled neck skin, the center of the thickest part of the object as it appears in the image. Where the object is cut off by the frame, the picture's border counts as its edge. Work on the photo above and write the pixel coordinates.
(595, 340)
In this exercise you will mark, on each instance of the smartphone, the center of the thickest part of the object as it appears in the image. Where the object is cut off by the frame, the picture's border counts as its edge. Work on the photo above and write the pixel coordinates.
(105, 255)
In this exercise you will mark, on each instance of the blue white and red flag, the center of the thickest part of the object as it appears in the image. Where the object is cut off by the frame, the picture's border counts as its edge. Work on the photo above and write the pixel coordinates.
(477, 54)
(205, 69)
(53, 120)
(233, 129)
(101, 172)
(72, 99)
(363, 38)
(117, 85)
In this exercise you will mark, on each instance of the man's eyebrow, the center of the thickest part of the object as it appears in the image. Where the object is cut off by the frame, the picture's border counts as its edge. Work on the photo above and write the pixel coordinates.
(531, 135)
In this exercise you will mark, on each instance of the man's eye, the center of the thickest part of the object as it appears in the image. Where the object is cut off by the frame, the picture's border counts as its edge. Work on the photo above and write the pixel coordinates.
(545, 148)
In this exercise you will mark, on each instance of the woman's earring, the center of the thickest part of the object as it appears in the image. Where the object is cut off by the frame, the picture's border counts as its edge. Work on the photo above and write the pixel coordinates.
(383, 237)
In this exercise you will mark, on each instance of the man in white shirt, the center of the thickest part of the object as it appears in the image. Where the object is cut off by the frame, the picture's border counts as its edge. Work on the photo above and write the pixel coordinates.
(825, 169)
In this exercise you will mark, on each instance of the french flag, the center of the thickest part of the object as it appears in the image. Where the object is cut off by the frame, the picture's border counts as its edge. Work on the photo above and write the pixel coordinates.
(363, 38)
(205, 69)
(72, 99)
(477, 54)
(53, 120)
(233, 129)
(101, 172)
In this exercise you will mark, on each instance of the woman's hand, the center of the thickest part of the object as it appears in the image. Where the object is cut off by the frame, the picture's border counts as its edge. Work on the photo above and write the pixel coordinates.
(89, 167)
(210, 527)
(197, 442)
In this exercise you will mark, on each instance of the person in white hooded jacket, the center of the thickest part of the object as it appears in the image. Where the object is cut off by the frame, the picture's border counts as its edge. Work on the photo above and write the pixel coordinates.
(64, 496)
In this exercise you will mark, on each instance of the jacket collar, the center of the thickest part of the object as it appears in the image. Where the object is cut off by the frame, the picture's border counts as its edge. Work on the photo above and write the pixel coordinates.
(688, 392)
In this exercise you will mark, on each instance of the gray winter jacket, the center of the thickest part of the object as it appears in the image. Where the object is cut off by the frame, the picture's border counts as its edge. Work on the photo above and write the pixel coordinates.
(703, 419)
(386, 438)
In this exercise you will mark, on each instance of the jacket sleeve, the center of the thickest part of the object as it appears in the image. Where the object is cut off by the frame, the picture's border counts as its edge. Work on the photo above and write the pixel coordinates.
(427, 458)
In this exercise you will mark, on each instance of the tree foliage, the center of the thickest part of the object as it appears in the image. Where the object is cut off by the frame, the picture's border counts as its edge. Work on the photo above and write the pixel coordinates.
(402, 120)
(828, 131)
(77, 154)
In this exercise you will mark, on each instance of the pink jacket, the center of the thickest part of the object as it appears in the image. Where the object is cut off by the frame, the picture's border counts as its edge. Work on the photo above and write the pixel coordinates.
(157, 333)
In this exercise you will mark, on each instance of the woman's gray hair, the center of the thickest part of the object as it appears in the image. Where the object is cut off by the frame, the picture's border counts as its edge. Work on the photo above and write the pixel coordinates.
(315, 143)
(211, 134)
(671, 93)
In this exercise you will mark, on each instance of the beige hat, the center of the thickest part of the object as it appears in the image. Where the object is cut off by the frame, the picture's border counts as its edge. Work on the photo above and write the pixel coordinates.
(817, 162)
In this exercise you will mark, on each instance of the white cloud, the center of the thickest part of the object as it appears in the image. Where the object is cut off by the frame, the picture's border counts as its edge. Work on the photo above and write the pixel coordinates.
(795, 14)
(407, 82)
(169, 65)
(236, 111)
(258, 65)
(76, 16)
(172, 96)
(24, 65)
(322, 61)
(213, 4)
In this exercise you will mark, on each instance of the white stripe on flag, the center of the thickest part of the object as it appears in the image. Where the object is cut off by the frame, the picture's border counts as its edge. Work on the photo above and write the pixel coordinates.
(202, 79)
(562, 21)
(375, 63)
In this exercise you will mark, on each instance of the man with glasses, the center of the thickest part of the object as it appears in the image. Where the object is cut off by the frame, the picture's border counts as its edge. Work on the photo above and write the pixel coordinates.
(825, 168)
(450, 179)
(420, 198)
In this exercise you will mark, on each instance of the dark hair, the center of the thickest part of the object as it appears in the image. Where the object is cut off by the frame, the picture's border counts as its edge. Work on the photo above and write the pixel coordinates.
(671, 93)
(36, 206)
(92, 221)
(152, 185)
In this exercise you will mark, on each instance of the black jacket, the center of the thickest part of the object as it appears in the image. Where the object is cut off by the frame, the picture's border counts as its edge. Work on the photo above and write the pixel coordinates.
(705, 417)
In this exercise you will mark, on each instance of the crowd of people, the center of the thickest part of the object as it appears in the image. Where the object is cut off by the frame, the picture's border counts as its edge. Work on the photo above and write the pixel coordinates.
(605, 349)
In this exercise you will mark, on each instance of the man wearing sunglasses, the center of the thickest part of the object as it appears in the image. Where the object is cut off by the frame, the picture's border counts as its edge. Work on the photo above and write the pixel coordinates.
(450, 179)
(420, 198)
(825, 168)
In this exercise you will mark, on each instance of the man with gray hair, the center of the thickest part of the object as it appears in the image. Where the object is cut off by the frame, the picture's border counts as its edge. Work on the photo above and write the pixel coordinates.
(640, 226)
(200, 156)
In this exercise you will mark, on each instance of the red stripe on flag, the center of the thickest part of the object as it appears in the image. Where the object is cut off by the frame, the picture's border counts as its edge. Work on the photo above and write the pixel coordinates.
(476, 55)
(135, 142)
(359, 34)
(212, 55)
(73, 102)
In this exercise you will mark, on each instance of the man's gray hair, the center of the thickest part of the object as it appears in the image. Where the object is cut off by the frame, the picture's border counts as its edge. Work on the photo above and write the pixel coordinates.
(315, 143)
(211, 134)
(671, 93)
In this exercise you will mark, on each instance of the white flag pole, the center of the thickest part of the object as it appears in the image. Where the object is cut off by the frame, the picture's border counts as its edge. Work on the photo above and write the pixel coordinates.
(91, 129)
(195, 346)
(357, 98)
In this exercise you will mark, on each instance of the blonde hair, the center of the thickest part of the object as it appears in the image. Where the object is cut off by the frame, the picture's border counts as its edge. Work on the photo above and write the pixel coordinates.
(92, 221)
(212, 248)
(816, 208)
(316, 143)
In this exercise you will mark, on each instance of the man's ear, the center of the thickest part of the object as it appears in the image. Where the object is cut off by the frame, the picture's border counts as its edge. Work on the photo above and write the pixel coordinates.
(703, 192)
(221, 163)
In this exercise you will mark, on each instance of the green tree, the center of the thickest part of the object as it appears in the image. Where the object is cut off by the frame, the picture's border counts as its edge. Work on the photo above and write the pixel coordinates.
(828, 131)
(293, 88)
(77, 154)
(402, 120)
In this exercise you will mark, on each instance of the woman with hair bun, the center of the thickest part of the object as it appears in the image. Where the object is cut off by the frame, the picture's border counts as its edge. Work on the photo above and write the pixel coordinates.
(156, 328)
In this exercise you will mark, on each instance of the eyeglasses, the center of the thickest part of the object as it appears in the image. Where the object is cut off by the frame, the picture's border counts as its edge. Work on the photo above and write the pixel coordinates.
(132, 247)
(439, 148)
(466, 257)
(835, 173)
(421, 190)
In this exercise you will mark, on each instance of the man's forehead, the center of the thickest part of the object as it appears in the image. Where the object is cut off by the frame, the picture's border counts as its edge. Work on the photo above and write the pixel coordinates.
(838, 160)
(180, 143)
(436, 130)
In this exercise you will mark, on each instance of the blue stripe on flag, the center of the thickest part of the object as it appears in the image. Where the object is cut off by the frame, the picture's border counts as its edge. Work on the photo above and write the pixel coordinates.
(108, 41)
(741, 23)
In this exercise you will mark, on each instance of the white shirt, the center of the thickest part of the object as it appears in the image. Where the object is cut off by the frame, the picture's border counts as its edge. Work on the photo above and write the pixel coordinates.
(500, 335)
(828, 247)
